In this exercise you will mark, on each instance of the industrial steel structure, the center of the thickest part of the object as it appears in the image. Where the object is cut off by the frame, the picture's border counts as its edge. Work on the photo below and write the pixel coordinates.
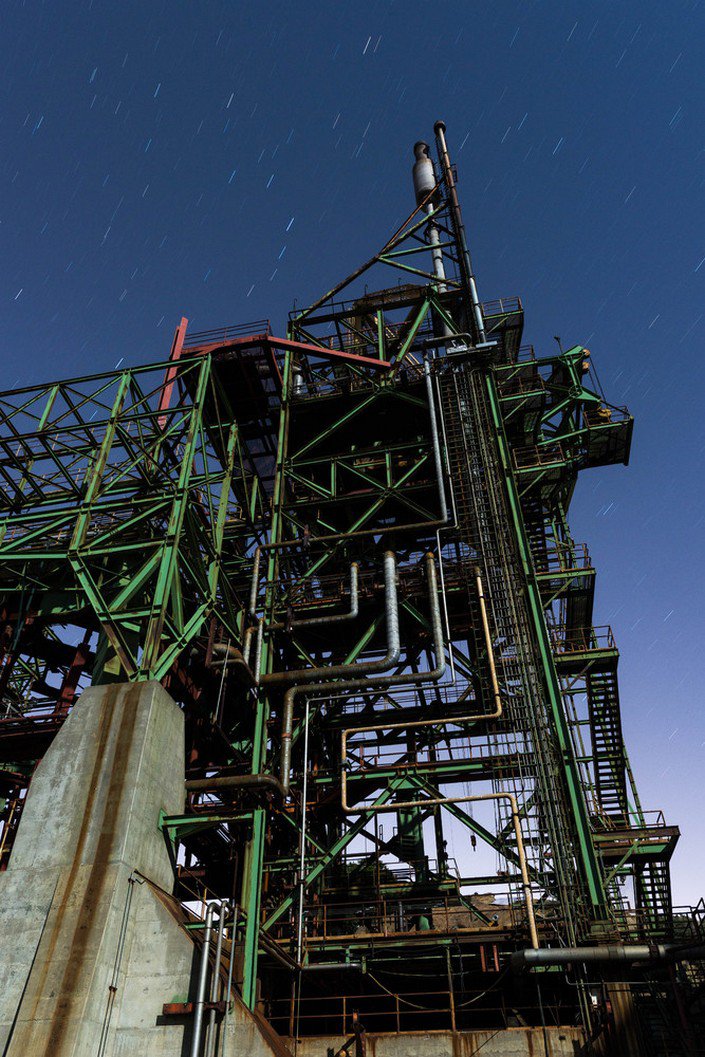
(345, 553)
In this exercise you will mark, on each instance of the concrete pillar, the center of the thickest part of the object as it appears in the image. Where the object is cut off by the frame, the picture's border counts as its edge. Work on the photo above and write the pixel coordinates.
(90, 820)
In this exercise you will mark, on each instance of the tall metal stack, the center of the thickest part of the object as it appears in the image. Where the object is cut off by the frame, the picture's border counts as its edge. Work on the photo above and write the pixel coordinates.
(345, 553)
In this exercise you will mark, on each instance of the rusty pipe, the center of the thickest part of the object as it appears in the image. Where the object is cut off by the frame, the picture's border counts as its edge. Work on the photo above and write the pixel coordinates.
(234, 781)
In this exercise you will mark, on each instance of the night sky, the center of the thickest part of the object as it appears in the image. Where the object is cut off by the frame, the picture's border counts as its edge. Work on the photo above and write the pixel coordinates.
(225, 160)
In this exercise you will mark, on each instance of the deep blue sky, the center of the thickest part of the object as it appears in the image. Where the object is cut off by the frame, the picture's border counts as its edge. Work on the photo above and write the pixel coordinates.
(220, 160)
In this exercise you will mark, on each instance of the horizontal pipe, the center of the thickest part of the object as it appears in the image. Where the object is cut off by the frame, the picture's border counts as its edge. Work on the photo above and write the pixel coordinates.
(377, 530)
(613, 952)
(231, 658)
(234, 781)
(337, 618)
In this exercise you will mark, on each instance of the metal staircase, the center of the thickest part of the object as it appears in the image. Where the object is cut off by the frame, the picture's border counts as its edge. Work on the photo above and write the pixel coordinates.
(607, 745)
(654, 899)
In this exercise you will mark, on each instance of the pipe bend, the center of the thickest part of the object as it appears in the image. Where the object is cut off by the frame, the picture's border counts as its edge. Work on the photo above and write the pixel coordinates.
(359, 682)
(335, 618)
(234, 781)
(391, 608)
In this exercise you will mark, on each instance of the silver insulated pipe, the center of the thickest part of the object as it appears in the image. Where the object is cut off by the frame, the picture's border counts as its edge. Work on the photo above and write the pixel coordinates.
(424, 176)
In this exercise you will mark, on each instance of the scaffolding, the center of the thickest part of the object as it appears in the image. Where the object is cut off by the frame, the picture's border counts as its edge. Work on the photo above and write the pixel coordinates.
(346, 554)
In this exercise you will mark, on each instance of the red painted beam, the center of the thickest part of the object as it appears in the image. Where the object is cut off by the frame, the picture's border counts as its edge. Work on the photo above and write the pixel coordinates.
(176, 349)
(270, 342)
(333, 354)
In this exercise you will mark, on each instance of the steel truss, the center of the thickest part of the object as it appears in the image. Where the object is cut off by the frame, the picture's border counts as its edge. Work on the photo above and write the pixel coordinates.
(346, 553)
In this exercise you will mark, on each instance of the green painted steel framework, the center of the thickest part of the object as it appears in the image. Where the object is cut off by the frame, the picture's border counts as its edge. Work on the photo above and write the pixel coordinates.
(226, 523)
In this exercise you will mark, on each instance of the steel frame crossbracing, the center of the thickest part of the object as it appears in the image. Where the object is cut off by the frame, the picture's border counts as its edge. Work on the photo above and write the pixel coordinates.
(346, 554)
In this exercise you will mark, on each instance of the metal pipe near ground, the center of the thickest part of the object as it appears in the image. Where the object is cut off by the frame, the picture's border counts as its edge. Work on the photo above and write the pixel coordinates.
(200, 1002)
(215, 985)
(228, 992)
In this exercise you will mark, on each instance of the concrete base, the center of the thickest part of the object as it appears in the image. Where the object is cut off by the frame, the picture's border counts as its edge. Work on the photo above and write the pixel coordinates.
(514, 1042)
(90, 954)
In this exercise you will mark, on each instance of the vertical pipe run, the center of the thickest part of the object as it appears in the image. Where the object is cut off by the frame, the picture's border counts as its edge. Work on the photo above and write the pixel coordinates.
(215, 984)
(489, 647)
(258, 650)
(438, 461)
(459, 228)
(201, 992)
(344, 672)
(228, 993)
(254, 583)
(424, 185)
(302, 858)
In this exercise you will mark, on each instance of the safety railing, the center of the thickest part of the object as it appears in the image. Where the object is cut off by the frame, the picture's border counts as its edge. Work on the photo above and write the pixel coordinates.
(534, 457)
(457, 748)
(223, 334)
(385, 1013)
(605, 415)
(581, 640)
(521, 385)
(501, 306)
(565, 558)
(647, 820)
(391, 917)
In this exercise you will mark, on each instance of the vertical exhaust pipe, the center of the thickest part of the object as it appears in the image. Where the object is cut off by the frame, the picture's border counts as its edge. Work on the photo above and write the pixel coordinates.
(459, 228)
(424, 177)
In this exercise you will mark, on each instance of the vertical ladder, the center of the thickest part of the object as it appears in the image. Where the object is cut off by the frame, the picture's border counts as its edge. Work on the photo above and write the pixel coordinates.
(485, 525)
